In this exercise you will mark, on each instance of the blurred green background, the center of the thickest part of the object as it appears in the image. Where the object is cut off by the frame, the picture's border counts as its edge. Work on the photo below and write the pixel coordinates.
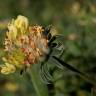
(76, 21)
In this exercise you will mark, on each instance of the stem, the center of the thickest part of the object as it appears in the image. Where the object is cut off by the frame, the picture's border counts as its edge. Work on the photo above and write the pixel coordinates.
(40, 87)
(81, 74)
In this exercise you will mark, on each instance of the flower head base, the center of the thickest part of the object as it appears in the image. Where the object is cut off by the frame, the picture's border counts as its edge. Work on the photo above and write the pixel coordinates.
(24, 45)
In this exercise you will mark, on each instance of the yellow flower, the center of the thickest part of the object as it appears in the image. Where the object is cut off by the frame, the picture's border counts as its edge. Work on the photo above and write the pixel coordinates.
(24, 45)
(12, 33)
(22, 23)
(8, 68)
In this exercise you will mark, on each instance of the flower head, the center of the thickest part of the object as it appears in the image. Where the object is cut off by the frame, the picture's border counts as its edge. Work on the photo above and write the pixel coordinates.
(24, 45)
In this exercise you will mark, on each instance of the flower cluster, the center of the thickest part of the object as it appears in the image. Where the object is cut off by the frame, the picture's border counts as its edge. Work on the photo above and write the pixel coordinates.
(24, 45)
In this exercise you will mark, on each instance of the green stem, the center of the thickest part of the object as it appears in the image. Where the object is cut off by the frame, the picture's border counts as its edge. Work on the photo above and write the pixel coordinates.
(40, 87)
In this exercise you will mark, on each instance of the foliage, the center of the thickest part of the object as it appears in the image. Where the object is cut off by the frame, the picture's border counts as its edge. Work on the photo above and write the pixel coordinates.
(76, 21)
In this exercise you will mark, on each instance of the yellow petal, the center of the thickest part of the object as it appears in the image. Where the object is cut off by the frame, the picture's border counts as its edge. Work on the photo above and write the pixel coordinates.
(4, 59)
(12, 32)
(8, 68)
(21, 22)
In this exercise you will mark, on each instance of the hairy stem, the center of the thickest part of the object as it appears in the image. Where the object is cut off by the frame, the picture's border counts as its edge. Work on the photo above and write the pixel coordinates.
(40, 87)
